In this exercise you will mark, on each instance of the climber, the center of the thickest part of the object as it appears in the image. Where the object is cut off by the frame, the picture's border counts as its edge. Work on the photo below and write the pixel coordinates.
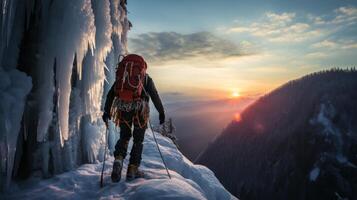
(127, 104)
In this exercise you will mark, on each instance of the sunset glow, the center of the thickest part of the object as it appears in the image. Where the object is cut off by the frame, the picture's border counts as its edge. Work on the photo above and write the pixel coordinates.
(256, 51)
(237, 117)
(235, 94)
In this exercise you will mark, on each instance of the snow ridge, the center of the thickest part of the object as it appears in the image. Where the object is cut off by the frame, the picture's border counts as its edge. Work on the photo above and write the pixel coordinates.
(188, 181)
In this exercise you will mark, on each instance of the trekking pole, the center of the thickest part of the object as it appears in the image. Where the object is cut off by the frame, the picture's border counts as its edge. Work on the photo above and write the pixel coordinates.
(105, 154)
(158, 148)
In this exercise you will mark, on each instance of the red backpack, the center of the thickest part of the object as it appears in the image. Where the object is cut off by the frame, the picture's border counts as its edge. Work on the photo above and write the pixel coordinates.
(130, 77)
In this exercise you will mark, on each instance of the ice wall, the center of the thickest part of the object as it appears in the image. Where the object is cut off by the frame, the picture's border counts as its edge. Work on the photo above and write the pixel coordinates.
(70, 49)
(14, 86)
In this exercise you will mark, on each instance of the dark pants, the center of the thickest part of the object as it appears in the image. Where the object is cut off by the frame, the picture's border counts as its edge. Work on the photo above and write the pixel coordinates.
(128, 119)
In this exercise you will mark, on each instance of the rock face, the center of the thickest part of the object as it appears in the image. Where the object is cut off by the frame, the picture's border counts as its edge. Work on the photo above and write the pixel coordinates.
(298, 142)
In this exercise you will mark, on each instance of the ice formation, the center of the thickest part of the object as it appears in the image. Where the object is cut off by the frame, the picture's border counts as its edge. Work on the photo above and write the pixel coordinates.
(69, 50)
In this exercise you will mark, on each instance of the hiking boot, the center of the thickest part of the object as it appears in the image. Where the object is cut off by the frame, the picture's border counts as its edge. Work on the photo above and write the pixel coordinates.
(117, 167)
(133, 172)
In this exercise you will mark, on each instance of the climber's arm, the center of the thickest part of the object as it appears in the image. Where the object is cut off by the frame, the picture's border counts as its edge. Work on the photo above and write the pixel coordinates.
(154, 95)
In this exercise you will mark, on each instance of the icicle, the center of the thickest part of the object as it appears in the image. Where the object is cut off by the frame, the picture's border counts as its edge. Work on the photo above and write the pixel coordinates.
(30, 4)
(10, 19)
(14, 88)
(69, 34)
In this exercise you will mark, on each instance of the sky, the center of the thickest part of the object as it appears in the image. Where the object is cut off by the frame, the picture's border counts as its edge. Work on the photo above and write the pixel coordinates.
(204, 49)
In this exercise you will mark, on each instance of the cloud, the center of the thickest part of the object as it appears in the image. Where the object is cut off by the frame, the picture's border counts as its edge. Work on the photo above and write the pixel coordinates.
(316, 20)
(316, 55)
(289, 28)
(327, 48)
(345, 15)
(335, 45)
(280, 18)
(350, 45)
(325, 44)
(279, 28)
(341, 24)
(159, 47)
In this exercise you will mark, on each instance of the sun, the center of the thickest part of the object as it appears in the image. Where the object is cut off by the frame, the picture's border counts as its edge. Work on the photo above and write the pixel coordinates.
(235, 94)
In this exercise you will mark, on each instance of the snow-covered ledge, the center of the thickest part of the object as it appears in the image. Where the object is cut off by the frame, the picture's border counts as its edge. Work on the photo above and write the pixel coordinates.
(189, 181)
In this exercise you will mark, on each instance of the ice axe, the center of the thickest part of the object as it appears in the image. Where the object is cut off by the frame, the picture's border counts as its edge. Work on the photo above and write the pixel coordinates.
(158, 148)
(105, 155)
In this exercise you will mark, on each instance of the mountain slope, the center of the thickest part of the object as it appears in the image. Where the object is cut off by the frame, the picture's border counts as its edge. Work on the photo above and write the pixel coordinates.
(298, 142)
(188, 181)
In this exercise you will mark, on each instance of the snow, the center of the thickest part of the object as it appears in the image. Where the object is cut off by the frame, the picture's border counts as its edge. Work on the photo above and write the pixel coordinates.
(314, 173)
(188, 181)
(332, 135)
(327, 111)
(91, 139)
(330, 130)
(14, 87)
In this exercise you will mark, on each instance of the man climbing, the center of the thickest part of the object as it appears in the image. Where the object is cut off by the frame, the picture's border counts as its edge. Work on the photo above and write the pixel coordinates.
(127, 104)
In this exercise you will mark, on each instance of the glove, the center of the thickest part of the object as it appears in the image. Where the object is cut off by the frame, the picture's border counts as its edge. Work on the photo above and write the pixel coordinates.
(162, 118)
(106, 117)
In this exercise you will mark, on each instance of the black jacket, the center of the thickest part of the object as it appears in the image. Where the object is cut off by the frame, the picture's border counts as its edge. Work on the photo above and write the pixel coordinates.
(149, 87)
